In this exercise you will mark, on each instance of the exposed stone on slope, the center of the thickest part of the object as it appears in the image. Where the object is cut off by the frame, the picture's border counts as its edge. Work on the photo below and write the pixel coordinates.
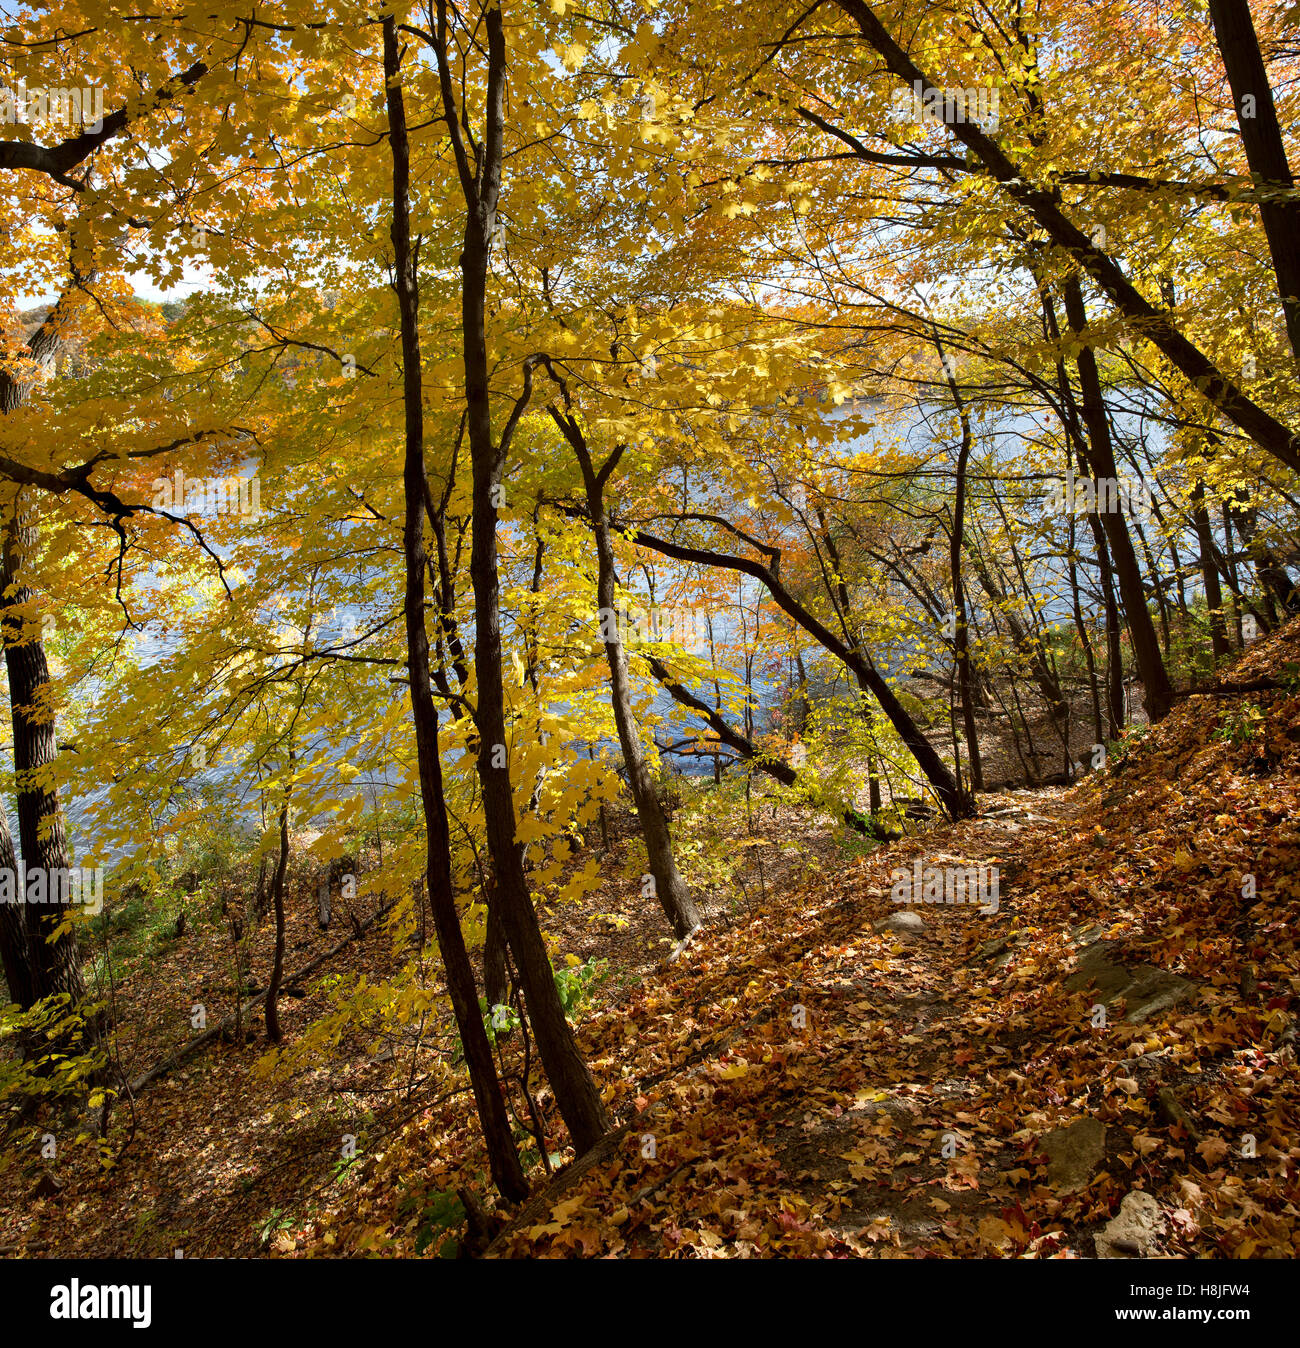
(905, 924)
(1074, 1154)
(1144, 988)
(1133, 1232)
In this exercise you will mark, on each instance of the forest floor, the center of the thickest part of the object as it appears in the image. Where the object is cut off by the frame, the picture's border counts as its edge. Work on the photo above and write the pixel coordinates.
(801, 1079)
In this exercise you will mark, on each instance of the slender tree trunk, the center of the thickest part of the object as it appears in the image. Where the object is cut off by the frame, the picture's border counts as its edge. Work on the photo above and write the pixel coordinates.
(273, 1031)
(961, 632)
(1235, 521)
(1090, 660)
(1158, 691)
(496, 974)
(1162, 604)
(575, 1091)
(1275, 585)
(496, 967)
(1210, 575)
(503, 1159)
(1180, 587)
(670, 889)
(961, 647)
(1114, 634)
(717, 698)
(1031, 752)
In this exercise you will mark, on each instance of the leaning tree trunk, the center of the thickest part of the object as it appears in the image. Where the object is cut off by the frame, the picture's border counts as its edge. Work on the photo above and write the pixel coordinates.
(1276, 587)
(503, 1159)
(957, 803)
(670, 889)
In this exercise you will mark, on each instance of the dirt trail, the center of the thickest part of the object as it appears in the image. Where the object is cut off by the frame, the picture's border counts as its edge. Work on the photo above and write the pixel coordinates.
(895, 1160)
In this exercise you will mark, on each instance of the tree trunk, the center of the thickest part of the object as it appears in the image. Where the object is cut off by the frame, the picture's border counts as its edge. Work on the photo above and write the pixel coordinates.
(670, 889)
(1210, 575)
(51, 966)
(273, 1031)
(55, 964)
(503, 1159)
(1114, 633)
(1261, 136)
(14, 955)
(496, 975)
(956, 802)
(575, 1091)
(1276, 586)
(1162, 604)
(961, 631)
(1081, 628)
(1158, 691)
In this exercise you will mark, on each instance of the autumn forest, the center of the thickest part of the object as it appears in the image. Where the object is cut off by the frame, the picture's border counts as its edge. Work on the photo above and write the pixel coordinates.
(652, 630)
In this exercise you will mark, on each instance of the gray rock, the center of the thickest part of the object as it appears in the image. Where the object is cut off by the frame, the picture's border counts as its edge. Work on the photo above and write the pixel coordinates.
(1145, 988)
(1074, 1154)
(905, 924)
(1155, 990)
(1133, 1231)
(996, 947)
(1098, 971)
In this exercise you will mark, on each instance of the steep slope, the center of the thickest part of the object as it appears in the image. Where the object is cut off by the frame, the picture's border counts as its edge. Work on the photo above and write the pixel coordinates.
(962, 1091)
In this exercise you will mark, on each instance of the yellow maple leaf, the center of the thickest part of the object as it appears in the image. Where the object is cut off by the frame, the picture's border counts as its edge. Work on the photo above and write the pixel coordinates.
(561, 1212)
